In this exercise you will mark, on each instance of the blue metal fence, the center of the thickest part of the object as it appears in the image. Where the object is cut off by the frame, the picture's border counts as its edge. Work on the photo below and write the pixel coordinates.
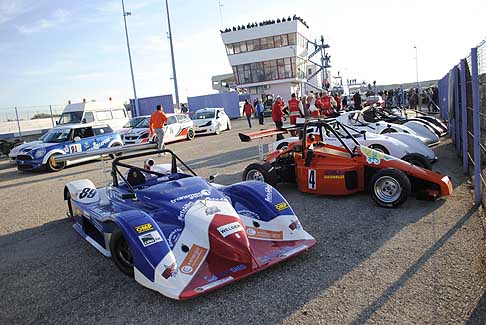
(462, 94)
(147, 105)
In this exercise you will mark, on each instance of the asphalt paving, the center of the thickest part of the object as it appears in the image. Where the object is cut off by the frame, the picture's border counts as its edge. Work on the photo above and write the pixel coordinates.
(422, 263)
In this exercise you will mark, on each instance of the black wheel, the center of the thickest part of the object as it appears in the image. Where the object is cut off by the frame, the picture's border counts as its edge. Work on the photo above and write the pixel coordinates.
(418, 160)
(380, 148)
(390, 187)
(228, 125)
(282, 146)
(54, 166)
(389, 130)
(116, 154)
(217, 129)
(260, 172)
(120, 252)
(190, 134)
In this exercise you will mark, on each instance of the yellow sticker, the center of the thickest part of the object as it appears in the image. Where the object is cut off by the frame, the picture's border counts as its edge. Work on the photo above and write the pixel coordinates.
(281, 206)
(144, 228)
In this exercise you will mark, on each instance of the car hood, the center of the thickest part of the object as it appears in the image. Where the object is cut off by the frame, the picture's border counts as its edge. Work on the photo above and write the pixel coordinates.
(15, 151)
(201, 122)
(137, 131)
(38, 145)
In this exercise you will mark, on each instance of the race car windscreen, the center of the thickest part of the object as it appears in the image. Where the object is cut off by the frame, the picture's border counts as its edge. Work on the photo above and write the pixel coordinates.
(71, 117)
(57, 136)
(203, 115)
(143, 124)
(133, 122)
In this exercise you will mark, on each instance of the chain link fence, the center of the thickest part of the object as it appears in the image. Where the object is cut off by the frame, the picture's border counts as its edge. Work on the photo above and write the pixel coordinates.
(462, 94)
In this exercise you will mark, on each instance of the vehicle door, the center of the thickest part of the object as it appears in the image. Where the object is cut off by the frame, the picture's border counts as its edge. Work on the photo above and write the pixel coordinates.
(82, 139)
(172, 129)
(103, 135)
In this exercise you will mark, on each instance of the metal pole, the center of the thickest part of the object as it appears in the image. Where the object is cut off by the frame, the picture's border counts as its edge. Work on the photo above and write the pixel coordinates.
(465, 158)
(18, 123)
(172, 56)
(476, 125)
(125, 14)
(52, 118)
(417, 75)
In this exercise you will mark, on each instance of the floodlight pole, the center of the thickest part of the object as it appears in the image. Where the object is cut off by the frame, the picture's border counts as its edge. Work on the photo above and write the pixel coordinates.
(125, 14)
(417, 76)
(172, 56)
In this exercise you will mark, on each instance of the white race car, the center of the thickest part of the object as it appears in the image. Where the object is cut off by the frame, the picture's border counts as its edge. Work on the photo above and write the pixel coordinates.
(211, 120)
(400, 145)
(356, 120)
(178, 127)
(132, 124)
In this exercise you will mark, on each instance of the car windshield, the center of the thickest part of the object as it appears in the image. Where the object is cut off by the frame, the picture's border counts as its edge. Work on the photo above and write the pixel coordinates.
(71, 117)
(133, 122)
(143, 124)
(57, 136)
(203, 115)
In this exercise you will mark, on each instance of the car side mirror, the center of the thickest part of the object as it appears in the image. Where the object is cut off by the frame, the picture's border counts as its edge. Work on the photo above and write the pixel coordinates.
(77, 139)
(128, 196)
(57, 122)
(83, 121)
(212, 178)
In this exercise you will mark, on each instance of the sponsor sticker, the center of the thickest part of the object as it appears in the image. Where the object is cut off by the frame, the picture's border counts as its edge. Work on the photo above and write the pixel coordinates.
(214, 284)
(170, 271)
(150, 238)
(193, 259)
(373, 156)
(230, 228)
(143, 228)
(333, 176)
(263, 233)
(281, 206)
(268, 193)
(192, 196)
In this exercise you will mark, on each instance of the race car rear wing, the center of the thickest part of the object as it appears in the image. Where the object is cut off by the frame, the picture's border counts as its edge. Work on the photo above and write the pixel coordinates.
(249, 136)
(106, 151)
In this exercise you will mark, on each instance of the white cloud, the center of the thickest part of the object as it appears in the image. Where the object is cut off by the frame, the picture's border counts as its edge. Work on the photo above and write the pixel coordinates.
(10, 10)
(58, 17)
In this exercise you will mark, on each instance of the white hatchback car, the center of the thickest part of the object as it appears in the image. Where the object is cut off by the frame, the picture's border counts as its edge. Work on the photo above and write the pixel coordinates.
(211, 120)
(178, 127)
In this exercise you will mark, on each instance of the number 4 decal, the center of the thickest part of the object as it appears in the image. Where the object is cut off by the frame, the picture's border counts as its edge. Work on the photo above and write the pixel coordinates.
(311, 179)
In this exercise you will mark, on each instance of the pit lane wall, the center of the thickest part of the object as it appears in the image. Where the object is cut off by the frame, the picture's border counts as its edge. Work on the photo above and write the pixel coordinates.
(462, 101)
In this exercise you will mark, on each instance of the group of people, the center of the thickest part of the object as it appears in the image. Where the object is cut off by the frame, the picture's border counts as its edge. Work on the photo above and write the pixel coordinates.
(264, 23)
(320, 104)
(411, 97)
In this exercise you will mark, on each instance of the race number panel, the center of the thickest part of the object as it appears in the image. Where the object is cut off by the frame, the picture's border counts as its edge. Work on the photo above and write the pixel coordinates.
(311, 179)
(76, 147)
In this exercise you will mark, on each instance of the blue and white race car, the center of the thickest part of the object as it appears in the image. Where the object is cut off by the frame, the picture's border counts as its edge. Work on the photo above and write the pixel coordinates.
(179, 234)
(66, 139)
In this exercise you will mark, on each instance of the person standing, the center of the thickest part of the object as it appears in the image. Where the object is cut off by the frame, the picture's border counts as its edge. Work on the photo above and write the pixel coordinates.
(248, 110)
(328, 103)
(260, 109)
(413, 100)
(345, 103)
(338, 102)
(311, 106)
(357, 101)
(156, 126)
(277, 116)
(294, 108)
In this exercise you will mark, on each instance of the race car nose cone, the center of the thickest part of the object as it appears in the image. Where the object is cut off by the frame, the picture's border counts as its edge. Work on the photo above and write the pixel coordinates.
(227, 239)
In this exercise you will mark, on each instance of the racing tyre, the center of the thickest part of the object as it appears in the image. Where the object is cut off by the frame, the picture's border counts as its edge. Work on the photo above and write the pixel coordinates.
(418, 160)
(116, 154)
(380, 148)
(120, 252)
(390, 187)
(228, 125)
(282, 146)
(217, 129)
(67, 197)
(52, 166)
(260, 172)
(190, 134)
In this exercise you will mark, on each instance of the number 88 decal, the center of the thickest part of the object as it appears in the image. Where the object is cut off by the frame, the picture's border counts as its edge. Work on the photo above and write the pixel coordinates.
(87, 192)
(311, 179)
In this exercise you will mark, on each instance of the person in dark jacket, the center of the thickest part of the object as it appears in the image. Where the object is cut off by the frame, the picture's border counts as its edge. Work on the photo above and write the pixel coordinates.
(357, 100)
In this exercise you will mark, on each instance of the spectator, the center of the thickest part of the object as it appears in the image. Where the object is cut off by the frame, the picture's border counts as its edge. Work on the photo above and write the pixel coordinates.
(328, 104)
(248, 110)
(277, 116)
(305, 106)
(156, 126)
(295, 108)
(311, 106)
(345, 102)
(357, 101)
(413, 100)
(260, 109)
(338, 102)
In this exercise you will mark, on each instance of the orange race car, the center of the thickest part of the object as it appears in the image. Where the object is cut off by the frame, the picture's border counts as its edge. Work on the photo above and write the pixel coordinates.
(321, 168)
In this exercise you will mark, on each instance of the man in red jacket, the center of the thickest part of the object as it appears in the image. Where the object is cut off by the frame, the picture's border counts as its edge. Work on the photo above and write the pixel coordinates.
(294, 108)
(248, 110)
(278, 116)
(328, 104)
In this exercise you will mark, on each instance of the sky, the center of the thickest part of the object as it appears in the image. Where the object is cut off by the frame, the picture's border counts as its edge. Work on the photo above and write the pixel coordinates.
(52, 51)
